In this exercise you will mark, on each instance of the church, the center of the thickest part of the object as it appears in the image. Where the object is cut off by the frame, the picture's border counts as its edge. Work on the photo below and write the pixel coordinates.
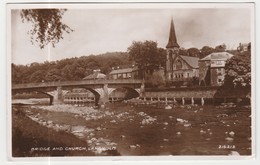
(179, 68)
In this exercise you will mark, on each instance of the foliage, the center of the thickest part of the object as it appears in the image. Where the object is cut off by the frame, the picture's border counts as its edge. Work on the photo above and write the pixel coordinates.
(68, 69)
(238, 70)
(183, 51)
(220, 48)
(47, 25)
(206, 50)
(194, 81)
(155, 80)
(147, 56)
(193, 52)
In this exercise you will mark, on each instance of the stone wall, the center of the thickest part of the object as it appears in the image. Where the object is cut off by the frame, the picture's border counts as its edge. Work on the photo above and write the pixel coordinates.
(198, 92)
(185, 92)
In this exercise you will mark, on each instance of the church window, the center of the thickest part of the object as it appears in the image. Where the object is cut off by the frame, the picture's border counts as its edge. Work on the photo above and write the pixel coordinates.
(170, 54)
(178, 64)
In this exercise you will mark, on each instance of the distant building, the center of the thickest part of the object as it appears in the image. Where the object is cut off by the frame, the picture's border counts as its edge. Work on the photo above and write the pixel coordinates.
(127, 73)
(179, 68)
(212, 69)
(243, 47)
(96, 75)
(79, 96)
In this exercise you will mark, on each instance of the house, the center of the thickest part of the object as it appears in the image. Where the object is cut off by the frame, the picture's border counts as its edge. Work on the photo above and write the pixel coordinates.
(96, 75)
(179, 68)
(243, 47)
(212, 69)
(127, 73)
(79, 96)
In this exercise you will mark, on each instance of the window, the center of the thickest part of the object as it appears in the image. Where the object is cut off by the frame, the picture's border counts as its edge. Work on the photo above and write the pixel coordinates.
(170, 54)
(219, 63)
(178, 64)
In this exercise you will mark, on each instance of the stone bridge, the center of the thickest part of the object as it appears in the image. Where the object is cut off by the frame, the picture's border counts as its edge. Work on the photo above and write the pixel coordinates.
(100, 88)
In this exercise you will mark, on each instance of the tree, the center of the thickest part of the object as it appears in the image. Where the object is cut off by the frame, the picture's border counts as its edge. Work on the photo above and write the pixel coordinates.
(238, 71)
(162, 57)
(194, 81)
(193, 52)
(183, 51)
(146, 55)
(220, 48)
(47, 25)
(206, 50)
(53, 75)
(155, 80)
(38, 76)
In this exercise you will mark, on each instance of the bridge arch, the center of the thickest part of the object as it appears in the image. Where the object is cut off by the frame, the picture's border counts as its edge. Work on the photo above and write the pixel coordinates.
(130, 92)
(96, 94)
(35, 90)
(95, 91)
(50, 96)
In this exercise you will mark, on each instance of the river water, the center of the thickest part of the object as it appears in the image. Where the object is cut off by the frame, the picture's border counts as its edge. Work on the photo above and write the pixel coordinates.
(183, 130)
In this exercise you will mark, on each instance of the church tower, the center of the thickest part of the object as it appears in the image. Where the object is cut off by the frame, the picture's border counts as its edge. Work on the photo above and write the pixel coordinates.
(172, 49)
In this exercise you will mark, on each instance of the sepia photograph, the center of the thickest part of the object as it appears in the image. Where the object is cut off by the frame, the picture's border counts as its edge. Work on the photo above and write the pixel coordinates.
(147, 79)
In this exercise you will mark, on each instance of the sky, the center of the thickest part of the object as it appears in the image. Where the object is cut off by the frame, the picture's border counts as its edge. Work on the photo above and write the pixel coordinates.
(98, 31)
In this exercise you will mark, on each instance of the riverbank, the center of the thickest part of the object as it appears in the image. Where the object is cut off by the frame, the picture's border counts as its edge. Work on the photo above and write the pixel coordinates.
(31, 139)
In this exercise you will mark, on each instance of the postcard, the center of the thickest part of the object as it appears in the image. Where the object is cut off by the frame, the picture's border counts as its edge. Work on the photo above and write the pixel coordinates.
(131, 80)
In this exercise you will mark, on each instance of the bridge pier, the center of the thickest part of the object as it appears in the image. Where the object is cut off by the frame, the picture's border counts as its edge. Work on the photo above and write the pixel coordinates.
(105, 97)
(57, 98)
(142, 90)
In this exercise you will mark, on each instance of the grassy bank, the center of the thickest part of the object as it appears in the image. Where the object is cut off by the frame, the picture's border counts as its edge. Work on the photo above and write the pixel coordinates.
(30, 139)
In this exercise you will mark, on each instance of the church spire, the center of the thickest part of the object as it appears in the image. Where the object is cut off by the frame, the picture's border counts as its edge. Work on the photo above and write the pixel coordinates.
(172, 38)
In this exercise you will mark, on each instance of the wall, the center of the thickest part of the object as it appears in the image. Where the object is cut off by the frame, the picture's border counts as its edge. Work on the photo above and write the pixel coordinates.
(185, 92)
(198, 92)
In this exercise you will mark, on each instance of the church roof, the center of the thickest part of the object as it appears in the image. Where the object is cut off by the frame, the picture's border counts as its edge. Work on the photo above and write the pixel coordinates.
(217, 56)
(192, 61)
(172, 38)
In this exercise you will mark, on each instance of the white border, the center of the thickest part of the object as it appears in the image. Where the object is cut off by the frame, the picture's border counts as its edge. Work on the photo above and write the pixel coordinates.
(6, 60)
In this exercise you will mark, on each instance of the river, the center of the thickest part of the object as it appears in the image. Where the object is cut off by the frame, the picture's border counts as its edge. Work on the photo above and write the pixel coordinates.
(150, 131)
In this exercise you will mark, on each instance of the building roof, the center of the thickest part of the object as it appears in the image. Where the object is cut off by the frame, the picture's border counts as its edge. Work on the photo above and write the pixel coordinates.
(192, 61)
(217, 56)
(95, 76)
(120, 71)
(172, 38)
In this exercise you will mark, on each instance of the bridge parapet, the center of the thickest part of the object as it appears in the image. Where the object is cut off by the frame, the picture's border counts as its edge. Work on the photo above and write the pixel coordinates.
(76, 83)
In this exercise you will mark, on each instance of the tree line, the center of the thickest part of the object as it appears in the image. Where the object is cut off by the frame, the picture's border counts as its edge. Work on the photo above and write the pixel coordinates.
(146, 56)
(69, 69)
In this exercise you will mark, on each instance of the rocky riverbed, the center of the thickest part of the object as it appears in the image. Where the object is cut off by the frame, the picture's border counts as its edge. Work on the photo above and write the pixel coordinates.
(133, 130)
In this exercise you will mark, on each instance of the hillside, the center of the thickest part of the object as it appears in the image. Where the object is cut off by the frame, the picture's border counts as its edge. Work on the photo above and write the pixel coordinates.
(70, 68)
